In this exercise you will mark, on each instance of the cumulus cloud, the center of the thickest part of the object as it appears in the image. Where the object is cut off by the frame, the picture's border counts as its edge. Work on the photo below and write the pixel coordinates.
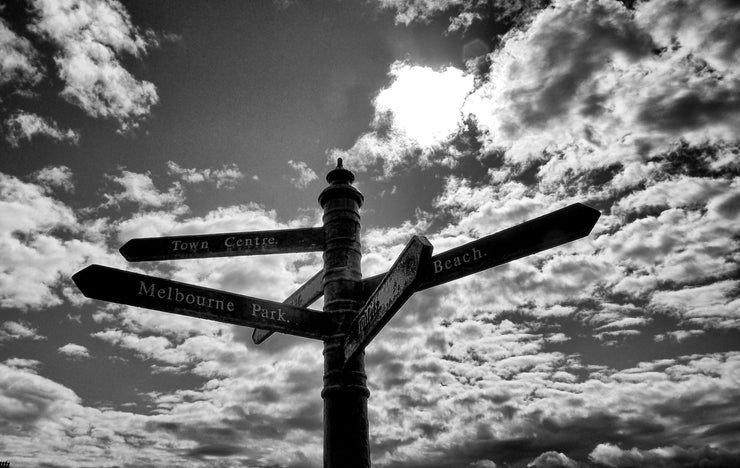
(35, 257)
(13, 330)
(226, 177)
(139, 189)
(91, 37)
(19, 65)
(74, 351)
(53, 177)
(552, 460)
(305, 176)
(25, 126)
(613, 456)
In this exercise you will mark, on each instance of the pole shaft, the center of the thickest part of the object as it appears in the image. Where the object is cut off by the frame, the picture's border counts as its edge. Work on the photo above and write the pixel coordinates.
(345, 392)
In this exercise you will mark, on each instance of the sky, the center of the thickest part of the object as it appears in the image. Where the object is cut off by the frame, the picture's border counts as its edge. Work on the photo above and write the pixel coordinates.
(123, 119)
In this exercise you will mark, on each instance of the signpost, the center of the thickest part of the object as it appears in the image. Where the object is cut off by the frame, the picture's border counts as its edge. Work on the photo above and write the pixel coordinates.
(224, 245)
(355, 310)
(396, 287)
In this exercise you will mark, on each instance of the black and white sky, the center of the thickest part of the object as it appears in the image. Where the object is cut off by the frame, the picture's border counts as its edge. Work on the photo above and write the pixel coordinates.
(122, 119)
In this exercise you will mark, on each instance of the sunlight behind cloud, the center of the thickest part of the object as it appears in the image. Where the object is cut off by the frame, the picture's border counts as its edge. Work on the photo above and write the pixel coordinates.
(424, 104)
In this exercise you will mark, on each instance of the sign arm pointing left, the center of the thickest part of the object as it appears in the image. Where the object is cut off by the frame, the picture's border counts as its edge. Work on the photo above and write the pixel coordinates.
(125, 287)
(224, 244)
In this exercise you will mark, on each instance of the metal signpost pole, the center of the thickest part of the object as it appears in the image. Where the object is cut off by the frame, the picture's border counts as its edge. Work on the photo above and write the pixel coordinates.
(345, 392)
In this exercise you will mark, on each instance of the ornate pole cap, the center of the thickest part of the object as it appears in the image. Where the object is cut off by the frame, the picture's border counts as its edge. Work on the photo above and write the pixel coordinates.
(340, 185)
(340, 175)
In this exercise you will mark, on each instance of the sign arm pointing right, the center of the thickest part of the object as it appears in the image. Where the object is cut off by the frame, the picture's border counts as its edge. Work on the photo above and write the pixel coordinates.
(530, 237)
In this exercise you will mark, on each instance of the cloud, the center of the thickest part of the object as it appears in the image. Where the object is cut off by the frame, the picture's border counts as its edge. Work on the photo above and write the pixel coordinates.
(414, 116)
(613, 456)
(552, 460)
(19, 61)
(306, 175)
(707, 29)
(226, 177)
(91, 37)
(53, 177)
(29, 365)
(584, 86)
(464, 13)
(139, 189)
(25, 126)
(74, 351)
(43, 242)
(13, 330)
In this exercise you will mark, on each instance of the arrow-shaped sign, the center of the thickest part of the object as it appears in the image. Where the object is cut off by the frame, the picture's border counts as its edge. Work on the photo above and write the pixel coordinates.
(393, 291)
(547, 231)
(124, 287)
(304, 296)
(538, 234)
(224, 245)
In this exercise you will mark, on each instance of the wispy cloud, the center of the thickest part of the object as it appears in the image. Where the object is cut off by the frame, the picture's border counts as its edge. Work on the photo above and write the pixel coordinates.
(227, 177)
(305, 176)
(25, 126)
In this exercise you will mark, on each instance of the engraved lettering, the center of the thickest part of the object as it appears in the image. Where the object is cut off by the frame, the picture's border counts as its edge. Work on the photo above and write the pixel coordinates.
(246, 243)
(142, 287)
(175, 295)
(192, 246)
(476, 254)
(457, 261)
(269, 314)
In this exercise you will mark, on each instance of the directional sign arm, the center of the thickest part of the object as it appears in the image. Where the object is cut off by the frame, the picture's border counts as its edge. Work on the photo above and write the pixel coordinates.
(124, 287)
(396, 287)
(304, 296)
(538, 234)
(224, 244)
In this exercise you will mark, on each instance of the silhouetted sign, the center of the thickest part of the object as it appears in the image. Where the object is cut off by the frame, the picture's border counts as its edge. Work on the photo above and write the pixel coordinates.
(224, 245)
(124, 287)
(393, 291)
(553, 229)
(304, 296)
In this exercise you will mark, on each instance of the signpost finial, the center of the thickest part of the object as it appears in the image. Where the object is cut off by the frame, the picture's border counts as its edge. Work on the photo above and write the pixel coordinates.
(340, 185)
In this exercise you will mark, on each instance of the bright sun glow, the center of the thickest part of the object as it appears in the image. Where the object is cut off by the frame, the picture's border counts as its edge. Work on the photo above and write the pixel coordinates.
(425, 103)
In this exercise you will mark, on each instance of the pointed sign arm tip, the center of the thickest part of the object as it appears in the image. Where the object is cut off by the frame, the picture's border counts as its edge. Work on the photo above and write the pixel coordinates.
(397, 286)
